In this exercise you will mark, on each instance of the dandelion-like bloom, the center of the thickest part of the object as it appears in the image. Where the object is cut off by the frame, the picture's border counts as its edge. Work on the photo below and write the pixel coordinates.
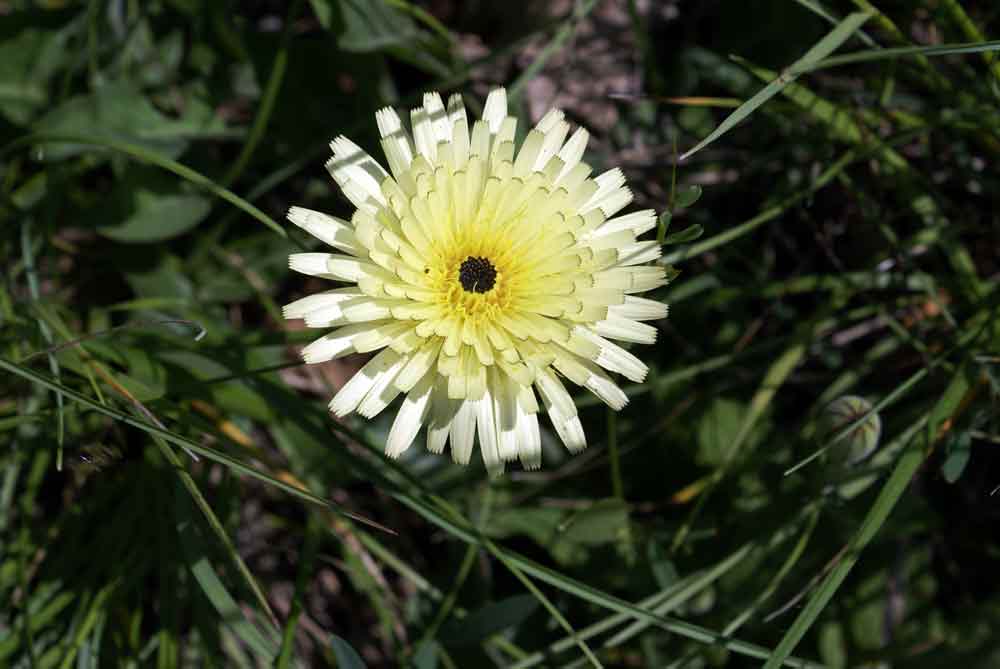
(481, 273)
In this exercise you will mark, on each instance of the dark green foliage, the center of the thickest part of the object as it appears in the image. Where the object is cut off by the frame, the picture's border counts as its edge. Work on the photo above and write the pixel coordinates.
(170, 499)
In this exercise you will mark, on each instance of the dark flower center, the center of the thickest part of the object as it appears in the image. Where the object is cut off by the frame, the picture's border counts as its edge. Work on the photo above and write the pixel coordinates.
(477, 275)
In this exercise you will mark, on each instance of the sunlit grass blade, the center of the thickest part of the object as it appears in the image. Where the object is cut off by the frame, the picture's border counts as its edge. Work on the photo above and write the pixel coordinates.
(594, 595)
(820, 50)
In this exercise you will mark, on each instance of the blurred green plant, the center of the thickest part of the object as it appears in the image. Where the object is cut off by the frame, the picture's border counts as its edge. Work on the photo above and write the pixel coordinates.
(174, 499)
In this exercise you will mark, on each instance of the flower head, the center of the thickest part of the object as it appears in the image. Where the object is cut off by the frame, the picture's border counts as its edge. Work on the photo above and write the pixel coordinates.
(482, 273)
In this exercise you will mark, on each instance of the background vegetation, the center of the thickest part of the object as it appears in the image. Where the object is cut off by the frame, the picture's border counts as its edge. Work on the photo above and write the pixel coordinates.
(174, 493)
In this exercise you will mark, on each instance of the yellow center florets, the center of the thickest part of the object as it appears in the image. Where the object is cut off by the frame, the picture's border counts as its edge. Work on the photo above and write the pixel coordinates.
(472, 282)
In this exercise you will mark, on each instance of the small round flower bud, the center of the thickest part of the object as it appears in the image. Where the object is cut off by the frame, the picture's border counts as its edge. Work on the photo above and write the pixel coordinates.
(859, 442)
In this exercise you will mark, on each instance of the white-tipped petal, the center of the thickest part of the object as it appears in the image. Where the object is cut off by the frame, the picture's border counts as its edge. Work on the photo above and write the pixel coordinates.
(318, 302)
(639, 253)
(328, 229)
(463, 431)
(554, 393)
(357, 173)
(353, 308)
(489, 439)
(459, 125)
(382, 391)
(638, 309)
(645, 278)
(423, 134)
(529, 440)
(410, 418)
(638, 222)
(495, 110)
(614, 358)
(313, 264)
(505, 410)
(395, 142)
(569, 429)
(572, 152)
(442, 414)
(336, 344)
(355, 390)
(554, 138)
(434, 108)
(624, 329)
(607, 390)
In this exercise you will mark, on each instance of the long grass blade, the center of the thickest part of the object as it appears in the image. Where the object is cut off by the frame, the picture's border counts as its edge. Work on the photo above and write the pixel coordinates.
(890, 494)
(210, 453)
(830, 43)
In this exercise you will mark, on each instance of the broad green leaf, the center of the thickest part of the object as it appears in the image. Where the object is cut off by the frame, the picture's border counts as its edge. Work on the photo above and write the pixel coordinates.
(188, 367)
(373, 25)
(959, 449)
(568, 534)
(717, 429)
(151, 207)
(687, 196)
(324, 12)
(152, 157)
(116, 111)
(159, 277)
(688, 234)
(600, 523)
(32, 50)
(426, 655)
(664, 570)
(347, 657)
(490, 619)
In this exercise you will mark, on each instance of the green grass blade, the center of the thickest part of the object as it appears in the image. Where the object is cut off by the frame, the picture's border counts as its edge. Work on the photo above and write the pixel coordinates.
(195, 552)
(594, 595)
(564, 33)
(210, 453)
(32, 276)
(145, 155)
(766, 216)
(549, 606)
(775, 377)
(820, 50)
(267, 100)
(893, 489)
(985, 47)
(971, 31)
(310, 545)
(817, 7)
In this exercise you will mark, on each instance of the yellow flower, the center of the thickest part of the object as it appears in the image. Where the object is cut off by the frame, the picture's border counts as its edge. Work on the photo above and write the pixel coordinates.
(481, 273)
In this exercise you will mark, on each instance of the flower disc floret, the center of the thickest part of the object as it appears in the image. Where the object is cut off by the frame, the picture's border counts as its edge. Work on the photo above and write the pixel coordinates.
(483, 274)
